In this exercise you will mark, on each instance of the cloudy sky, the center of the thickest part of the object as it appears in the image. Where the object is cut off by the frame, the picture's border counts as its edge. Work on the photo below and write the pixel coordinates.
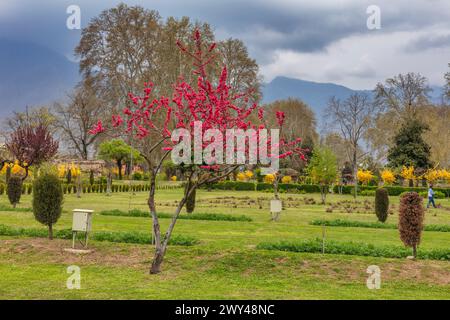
(320, 40)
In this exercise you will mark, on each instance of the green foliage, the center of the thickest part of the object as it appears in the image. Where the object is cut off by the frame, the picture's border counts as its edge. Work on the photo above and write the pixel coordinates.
(322, 167)
(392, 190)
(368, 193)
(137, 176)
(117, 150)
(373, 225)
(14, 190)
(195, 216)
(121, 237)
(437, 194)
(47, 200)
(381, 204)
(410, 149)
(250, 186)
(352, 248)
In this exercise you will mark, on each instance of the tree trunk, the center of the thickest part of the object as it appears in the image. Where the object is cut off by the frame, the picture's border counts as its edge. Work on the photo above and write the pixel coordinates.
(109, 183)
(119, 166)
(355, 173)
(50, 231)
(323, 193)
(415, 251)
(162, 247)
(79, 186)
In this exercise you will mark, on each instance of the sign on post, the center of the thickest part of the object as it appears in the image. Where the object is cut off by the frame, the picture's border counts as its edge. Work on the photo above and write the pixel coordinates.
(82, 222)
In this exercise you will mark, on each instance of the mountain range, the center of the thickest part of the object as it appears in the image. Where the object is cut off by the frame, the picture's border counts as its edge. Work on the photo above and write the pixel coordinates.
(32, 75)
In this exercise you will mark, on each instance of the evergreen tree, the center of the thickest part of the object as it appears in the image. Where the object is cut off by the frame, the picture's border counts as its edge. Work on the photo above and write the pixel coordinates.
(409, 147)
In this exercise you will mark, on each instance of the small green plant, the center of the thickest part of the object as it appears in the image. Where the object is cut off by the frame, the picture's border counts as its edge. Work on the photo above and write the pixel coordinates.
(47, 200)
(381, 204)
(14, 190)
(411, 220)
(352, 248)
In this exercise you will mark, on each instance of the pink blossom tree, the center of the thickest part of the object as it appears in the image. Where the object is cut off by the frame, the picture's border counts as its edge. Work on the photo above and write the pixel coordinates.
(203, 113)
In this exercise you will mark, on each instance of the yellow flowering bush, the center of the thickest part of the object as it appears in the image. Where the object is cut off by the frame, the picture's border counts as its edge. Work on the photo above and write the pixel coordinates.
(61, 170)
(248, 174)
(269, 178)
(387, 176)
(408, 173)
(241, 176)
(365, 176)
(173, 178)
(286, 179)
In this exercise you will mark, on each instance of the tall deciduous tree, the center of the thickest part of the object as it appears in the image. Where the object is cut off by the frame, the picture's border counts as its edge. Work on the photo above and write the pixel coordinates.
(447, 85)
(403, 93)
(74, 119)
(352, 118)
(300, 121)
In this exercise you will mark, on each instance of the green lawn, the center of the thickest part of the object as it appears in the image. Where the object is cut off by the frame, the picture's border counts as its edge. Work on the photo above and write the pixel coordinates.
(225, 264)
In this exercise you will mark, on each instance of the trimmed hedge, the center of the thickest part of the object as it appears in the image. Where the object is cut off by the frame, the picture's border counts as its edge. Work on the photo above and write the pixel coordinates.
(375, 225)
(27, 188)
(353, 248)
(392, 190)
(194, 216)
(116, 236)
(251, 186)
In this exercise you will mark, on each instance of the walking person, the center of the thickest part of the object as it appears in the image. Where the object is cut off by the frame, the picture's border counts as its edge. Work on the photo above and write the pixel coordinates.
(431, 197)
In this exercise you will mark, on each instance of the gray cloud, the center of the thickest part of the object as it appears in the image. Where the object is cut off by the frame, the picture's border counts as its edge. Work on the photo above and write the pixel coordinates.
(268, 27)
(429, 41)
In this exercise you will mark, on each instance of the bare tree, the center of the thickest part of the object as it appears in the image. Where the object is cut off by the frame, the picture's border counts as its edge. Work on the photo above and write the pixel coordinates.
(352, 117)
(447, 85)
(75, 118)
(404, 94)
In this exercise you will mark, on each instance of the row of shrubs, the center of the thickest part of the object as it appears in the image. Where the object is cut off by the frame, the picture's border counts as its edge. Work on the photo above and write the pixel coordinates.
(354, 248)
(194, 216)
(375, 225)
(251, 186)
(392, 190)
(27, 188)
(122, 237)
(313, 188)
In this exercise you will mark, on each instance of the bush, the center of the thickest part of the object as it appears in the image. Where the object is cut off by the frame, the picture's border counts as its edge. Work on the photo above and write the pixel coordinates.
(381, 204)
(368, 193)
(124, 237)
(2, 189)
(352, 248)
(437, 194)
(375, 225)
(411, 220)
(137, 176)
(47, 200)
(195, 216)
(14, 190)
